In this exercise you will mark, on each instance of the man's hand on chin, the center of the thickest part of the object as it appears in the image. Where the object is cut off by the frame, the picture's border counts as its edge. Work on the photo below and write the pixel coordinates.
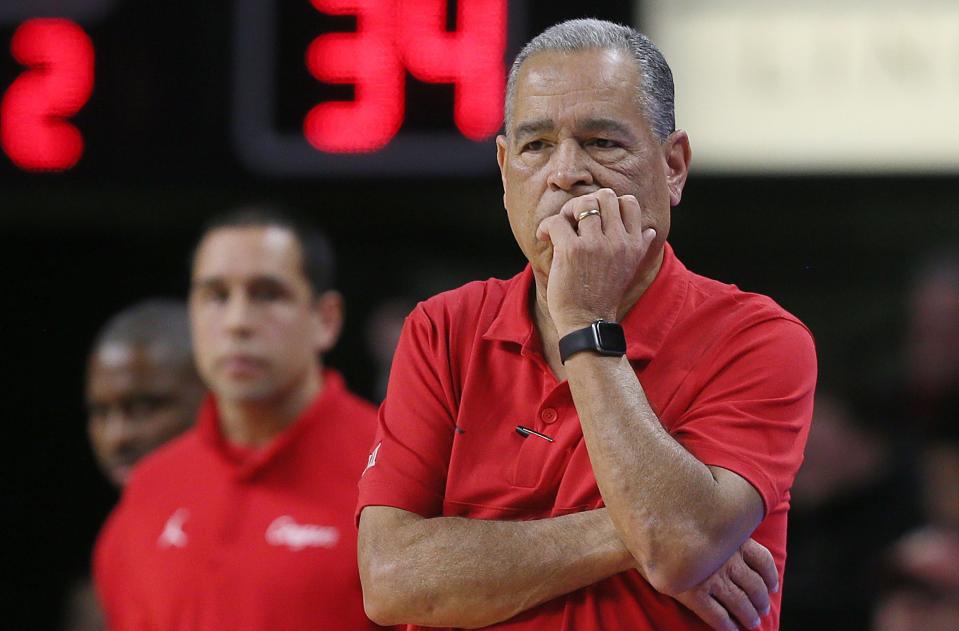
(598, 244)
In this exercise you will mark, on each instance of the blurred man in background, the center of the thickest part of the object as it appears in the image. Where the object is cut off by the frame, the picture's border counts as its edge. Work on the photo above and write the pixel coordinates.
(142, 387)
(855, 495)
(141, 390)
(921, 578)
(931, 402)
(245, 522)
(921, 588)
(931, 353)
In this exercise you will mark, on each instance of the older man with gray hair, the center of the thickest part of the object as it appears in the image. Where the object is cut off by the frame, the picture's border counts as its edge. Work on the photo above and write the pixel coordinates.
(606, 440)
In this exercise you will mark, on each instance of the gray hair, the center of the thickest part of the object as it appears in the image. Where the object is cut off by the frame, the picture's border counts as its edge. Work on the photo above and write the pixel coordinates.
(656, 85)
(152, 322)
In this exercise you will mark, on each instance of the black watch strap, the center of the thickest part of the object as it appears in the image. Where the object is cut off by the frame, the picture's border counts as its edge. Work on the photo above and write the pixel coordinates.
(602, 337)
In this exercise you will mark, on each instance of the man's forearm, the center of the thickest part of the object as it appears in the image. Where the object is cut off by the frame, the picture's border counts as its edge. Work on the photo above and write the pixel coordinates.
(677, 519)
(451, 571)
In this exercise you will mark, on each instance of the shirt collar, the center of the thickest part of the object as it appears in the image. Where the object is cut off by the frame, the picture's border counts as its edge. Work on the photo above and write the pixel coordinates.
(651, 319)
(646, 325)
(513, 322)
(247, 462)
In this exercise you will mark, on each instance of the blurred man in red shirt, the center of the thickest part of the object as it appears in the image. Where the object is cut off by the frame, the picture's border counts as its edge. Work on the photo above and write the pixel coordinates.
(245, 522)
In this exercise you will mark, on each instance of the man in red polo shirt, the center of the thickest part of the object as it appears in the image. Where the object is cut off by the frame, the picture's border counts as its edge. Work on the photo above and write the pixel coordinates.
(599, 442)
(245, 522)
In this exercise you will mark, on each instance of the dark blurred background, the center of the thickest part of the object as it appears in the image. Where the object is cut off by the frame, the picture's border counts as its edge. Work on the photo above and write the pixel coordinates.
(171, 138)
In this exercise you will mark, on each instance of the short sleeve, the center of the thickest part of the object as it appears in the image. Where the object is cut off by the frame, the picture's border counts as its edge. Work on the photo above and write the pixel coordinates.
(410, 455)
(753, 410)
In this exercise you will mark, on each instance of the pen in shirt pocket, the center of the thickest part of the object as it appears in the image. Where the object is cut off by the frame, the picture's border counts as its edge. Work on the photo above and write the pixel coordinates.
(525, 432)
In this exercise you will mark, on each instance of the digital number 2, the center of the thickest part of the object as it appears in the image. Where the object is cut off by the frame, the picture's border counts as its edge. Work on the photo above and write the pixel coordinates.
(34, 128)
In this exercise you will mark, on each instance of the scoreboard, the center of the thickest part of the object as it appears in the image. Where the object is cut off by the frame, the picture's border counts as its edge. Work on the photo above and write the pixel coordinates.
(424, 85)
(93, 89)
(210, 90)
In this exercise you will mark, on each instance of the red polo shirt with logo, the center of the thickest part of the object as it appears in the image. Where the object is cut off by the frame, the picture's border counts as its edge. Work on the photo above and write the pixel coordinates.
(208, 536)
(729, 374)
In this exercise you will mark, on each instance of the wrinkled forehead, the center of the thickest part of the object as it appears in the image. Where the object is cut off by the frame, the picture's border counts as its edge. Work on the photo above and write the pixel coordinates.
(558, 83)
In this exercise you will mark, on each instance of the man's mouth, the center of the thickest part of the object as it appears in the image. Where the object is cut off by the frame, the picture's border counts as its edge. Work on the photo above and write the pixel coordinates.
(120, 467)
(241, 365)
(121, 474)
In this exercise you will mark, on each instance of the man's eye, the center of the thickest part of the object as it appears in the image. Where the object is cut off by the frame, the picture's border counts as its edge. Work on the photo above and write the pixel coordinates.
(603, 143)
(140, 408)
(214, 294)
(97, 411)
(266, 293)
(143, 406)
(534, 145)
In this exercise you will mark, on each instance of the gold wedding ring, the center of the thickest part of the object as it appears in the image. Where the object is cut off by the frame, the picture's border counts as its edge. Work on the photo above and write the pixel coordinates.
(586, 213)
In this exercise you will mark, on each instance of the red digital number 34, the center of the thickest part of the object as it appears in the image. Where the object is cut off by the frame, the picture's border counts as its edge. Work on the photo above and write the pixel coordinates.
(395, 36)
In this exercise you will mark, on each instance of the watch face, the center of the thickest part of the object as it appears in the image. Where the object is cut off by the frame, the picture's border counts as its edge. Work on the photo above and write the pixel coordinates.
(611, 336)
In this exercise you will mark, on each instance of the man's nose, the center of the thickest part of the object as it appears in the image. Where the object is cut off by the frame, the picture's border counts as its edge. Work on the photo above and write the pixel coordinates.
(119, 431)
(569, 166)
(238, 313)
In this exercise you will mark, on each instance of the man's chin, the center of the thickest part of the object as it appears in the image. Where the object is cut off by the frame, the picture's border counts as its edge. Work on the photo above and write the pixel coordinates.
(120, 474)
(242, 392)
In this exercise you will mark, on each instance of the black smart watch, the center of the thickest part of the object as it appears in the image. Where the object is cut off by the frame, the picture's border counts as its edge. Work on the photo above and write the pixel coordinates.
(602, 337)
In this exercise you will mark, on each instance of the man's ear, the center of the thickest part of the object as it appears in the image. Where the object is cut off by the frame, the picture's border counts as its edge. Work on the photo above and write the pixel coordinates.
(502, 149)
(328, 314)
(678, 155)
(502, 146)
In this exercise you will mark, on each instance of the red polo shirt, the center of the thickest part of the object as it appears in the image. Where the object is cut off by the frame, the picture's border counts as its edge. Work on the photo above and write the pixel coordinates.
(210, 537)
(729, 374)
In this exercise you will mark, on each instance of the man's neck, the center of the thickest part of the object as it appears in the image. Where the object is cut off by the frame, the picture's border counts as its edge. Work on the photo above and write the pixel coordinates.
(547, 328)
(255, 424)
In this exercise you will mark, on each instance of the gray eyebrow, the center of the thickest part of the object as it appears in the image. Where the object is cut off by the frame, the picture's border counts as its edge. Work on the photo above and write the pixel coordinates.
(532, 128)
(607, 124)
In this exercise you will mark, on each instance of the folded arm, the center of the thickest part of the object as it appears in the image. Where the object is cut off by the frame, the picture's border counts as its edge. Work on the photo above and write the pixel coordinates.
(468, 573)
(452, 571)
(679, 518)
